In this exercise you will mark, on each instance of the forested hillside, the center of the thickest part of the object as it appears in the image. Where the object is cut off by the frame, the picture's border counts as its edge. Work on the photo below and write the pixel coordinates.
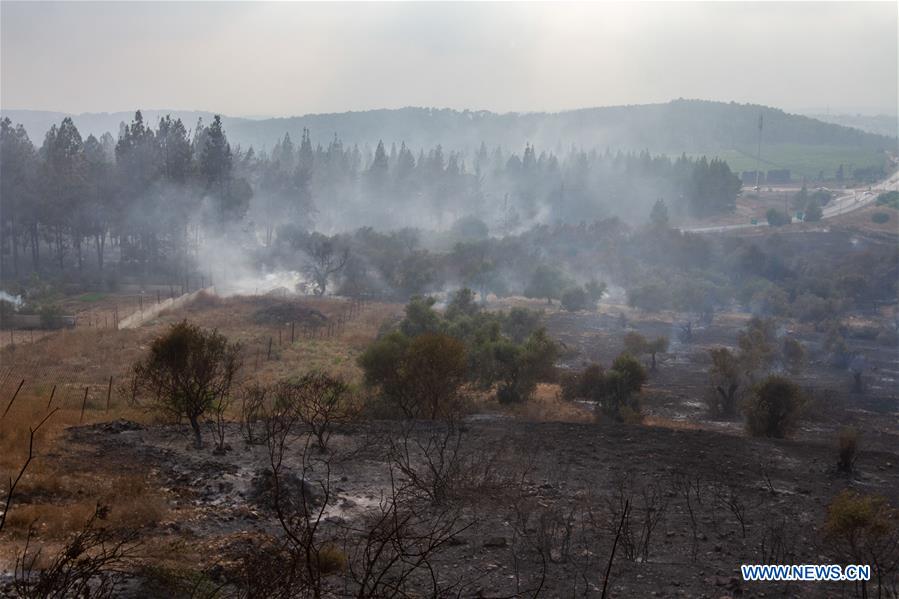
(691, 126)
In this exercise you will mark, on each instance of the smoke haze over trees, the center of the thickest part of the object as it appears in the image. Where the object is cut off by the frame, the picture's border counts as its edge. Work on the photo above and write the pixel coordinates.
(150, 192)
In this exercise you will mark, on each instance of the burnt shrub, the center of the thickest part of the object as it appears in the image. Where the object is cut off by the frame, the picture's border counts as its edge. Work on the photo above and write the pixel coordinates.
(847, 449)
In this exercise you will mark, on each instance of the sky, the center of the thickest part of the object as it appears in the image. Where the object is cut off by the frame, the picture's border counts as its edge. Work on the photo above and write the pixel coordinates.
(285, 59)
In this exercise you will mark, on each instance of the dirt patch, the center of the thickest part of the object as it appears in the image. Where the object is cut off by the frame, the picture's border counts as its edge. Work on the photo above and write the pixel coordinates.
(276, 311)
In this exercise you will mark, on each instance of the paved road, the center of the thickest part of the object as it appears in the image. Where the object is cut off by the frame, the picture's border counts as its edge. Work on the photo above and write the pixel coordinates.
(848, 202)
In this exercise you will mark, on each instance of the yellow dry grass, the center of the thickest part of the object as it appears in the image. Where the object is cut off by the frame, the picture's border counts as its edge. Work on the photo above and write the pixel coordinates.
(545, 406)
(59, 492)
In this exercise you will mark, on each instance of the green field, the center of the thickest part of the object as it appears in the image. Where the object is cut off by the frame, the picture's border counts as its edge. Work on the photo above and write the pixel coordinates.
(92, 297)
(802, 160)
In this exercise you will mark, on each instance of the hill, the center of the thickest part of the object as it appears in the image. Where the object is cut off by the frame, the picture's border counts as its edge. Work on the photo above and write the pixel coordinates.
(729, 130)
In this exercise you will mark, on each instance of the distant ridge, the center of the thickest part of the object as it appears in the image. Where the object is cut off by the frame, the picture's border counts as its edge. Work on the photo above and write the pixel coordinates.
(692, 126)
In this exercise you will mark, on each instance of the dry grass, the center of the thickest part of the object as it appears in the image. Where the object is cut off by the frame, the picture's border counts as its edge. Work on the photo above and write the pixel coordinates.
(60, 490)
(548, 406)
(662, 422)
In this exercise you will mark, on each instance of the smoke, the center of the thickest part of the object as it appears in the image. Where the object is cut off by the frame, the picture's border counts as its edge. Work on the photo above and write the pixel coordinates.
(229, 259)
(15, 300)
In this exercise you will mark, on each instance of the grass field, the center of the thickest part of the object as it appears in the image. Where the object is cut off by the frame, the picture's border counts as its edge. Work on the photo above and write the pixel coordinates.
(802, 160)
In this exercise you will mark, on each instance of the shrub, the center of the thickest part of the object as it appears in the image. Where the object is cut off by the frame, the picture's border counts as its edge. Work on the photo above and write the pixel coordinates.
(50, 316)
(889, 198)
(515, 383)
(776, 218)
(880, 217)
(575, 298)
(330, 559)
(463, 303)
(847, 449)
(863, 529)
(620, 388)
(420, 377)
(774, 407)
(322, 401)
(187, 372)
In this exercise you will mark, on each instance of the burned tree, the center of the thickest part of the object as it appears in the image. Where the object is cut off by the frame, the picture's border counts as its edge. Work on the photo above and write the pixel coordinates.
(187, 372)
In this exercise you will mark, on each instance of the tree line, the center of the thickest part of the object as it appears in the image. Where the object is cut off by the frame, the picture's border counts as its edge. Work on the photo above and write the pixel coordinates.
(148, 196)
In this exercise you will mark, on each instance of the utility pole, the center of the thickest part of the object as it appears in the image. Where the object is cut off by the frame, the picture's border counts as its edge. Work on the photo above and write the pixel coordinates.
(758, 157)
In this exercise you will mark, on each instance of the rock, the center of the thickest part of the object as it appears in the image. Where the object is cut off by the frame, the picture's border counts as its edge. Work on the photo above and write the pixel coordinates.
(496, 543)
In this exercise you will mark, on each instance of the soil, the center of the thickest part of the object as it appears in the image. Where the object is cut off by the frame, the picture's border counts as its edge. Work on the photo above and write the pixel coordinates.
(553, 471)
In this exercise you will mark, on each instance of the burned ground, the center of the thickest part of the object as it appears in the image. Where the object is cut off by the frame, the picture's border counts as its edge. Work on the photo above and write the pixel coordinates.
(539, 514)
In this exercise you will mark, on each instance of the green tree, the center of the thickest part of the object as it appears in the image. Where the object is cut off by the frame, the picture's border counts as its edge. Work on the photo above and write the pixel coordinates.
(658, 217)
(574, 299)
(813, 212)
(636, 344)
(758, 344)
(188, 370)
(18, 165)
(774, 408)
(547, 283)
(462, 304)
(621, 385)
(232, 196)
(776, 218)
(595, 289)
(726, 378)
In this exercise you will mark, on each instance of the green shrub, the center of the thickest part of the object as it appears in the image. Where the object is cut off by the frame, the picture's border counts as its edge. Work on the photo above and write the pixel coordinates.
(776, 218)
(420, 377)
(813, 212)
(773, 408)
(864, 529)
(880, 217)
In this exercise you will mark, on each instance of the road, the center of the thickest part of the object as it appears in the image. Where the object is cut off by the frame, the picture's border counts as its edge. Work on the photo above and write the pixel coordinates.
(848, 202)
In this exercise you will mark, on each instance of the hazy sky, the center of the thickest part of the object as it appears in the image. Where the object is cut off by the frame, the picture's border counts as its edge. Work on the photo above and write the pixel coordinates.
(291, 59)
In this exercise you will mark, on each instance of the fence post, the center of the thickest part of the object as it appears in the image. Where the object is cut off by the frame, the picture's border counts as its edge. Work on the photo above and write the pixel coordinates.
(108, 393)
(9, 405)
(269, 349)
(83, 405)
(291, 331)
